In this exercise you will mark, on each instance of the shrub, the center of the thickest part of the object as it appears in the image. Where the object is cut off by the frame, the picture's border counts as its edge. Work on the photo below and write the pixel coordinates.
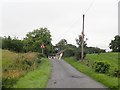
(27, 62)
(101, 67)
(8, 82)
(40, 55)
(38, 60)
(69, 52)
(116, 73)
(78, 55)
(16, 65)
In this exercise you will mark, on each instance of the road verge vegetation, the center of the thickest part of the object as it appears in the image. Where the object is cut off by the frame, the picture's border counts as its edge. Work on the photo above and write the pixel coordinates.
(106, 79)
(17, 65)
(37, 78)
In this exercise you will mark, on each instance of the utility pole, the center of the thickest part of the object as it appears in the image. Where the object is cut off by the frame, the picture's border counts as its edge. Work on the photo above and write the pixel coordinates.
(82, 48)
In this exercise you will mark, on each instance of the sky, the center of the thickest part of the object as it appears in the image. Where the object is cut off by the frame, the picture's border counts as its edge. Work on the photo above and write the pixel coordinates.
(63, 18)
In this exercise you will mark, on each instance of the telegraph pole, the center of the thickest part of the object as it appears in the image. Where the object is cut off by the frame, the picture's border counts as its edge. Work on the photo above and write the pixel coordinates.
(82, 48)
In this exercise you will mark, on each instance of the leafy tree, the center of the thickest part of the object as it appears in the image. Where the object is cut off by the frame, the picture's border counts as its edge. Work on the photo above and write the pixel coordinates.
(79, 41)
(17, 45)
(115, 44)
(70, 46)
(36, 38)
(6, 43)
(12, 44)
(69, 50)
(61, 44)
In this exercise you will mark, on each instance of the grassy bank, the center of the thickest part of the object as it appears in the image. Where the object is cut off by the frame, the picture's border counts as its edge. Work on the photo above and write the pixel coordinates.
(37, 78)
(17, 65)
(109, 81)
(112, 58)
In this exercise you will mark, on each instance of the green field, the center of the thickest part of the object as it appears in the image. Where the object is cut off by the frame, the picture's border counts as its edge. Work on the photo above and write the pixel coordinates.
(106, 79)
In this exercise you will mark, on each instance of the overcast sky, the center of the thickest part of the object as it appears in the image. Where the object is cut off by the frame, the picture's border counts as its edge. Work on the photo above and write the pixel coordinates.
(63, 18)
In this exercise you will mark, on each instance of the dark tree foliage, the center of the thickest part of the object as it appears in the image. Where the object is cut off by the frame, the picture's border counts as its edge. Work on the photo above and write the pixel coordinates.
(12, 44)
(115, 44)
(61, 44)
(1, 42)
(79, 41)
(69, 52)
(91, 50)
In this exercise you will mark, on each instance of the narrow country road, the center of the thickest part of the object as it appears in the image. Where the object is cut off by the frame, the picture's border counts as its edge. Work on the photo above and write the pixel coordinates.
(65, 76)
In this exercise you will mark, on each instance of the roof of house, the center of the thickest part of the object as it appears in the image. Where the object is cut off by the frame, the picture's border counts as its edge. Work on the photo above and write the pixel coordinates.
(60, 52)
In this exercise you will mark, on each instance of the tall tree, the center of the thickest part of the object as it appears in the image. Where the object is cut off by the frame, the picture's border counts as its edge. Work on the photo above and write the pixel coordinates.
(61, 44)
(115, 44)
(36, 38)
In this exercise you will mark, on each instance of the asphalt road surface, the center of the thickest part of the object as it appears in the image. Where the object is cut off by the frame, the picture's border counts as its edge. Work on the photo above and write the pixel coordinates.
(65, 76)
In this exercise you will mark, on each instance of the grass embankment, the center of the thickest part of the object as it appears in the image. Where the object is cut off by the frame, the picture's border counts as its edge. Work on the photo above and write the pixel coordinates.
(112, 58)
(37, 78)
(17, 65)
(109, 81)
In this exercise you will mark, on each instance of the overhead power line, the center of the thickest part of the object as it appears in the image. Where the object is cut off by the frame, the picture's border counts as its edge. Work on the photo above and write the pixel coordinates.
(91, 4)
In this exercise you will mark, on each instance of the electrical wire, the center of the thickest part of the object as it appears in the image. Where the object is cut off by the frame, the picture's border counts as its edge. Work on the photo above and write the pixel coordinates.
(80, 18)
(91, 4)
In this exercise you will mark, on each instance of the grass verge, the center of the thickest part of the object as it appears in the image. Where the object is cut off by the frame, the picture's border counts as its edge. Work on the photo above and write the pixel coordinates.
(16, 65)
(37, 78)
(110, 82)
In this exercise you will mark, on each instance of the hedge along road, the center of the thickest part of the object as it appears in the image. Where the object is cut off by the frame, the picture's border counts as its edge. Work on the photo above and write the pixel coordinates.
(65, 76)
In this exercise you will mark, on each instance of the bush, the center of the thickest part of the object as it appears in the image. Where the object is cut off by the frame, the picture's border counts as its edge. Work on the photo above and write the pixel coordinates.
(40, 55)
(16, 65)
(69, 52)
(27, 62)
(116, 73)
(101, 67)
(38, 60)
(78, 55)
(12, 44)
(8, 82)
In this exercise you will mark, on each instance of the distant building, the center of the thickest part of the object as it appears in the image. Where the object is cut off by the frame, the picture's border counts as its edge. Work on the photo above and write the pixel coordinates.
(59, 55)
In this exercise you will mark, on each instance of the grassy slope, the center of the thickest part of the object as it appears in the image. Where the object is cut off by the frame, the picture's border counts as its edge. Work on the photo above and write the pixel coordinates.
(33, 78)
(112, 58)
(108, 81)
(8, 57)
(13, 66)
(37, 78)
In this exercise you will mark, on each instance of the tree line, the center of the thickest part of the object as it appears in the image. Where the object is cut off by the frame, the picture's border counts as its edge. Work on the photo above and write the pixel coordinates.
(31, 42)
(37, 37)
